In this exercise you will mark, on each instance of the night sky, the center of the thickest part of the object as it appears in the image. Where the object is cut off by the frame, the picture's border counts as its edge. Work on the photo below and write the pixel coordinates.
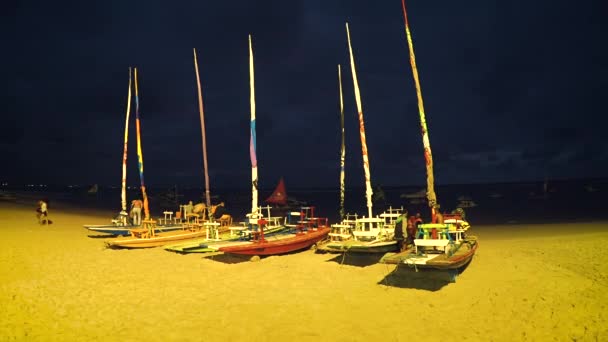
(513, 90)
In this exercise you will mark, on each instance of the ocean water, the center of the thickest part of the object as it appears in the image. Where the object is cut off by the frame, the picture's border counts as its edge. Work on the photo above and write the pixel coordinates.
(503, 203)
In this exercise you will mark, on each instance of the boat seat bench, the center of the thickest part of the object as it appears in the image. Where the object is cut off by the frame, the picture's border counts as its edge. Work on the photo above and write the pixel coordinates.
(430, 243)
(364, 234)
(139, 232)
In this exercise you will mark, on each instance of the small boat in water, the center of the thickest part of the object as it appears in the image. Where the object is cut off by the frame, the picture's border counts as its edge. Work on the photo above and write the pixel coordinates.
(7, 196)
(465, 202)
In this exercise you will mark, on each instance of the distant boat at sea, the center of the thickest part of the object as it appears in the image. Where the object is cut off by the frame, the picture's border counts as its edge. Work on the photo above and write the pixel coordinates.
(415, 195)
(590, 188)
(7, 196)
(93, 190)
(466, 202)
(418, 197)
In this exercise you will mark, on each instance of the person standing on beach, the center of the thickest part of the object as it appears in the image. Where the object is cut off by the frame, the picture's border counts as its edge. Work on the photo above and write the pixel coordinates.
(42, 211)
(401, 221)
(136, 206)
(412, 227)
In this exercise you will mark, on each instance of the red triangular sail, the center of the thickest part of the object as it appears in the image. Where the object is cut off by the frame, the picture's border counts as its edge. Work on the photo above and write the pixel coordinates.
(279, 196)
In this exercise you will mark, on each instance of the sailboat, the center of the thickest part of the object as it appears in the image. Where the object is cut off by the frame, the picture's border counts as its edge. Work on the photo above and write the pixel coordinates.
(280, 198)
(279, 195)
(369, 234)
(442, 244)
(121, 225)
(241, 233)
(150, 234)
(308, 230)
(93, 189)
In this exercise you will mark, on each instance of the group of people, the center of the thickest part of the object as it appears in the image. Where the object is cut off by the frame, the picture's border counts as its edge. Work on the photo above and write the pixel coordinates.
(218, 212)
(411, 226)
(215, 211)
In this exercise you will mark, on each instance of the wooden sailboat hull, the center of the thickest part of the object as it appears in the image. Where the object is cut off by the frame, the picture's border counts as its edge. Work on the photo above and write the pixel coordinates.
(110, 229)
(161, 239)
(462, 256)
(353, 246)
(208, 246)
(280, 243)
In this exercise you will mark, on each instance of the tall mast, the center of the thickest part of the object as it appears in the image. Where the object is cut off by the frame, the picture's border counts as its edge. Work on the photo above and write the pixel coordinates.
(430, 181)
(140, 156)
(202, 114)
(368, 182)
(343, 147)
(252, 138)
(123, 193)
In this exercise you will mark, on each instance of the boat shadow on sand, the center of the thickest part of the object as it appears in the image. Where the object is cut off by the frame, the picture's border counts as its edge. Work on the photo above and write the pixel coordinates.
(228, 258)
(102, 236)
(408, 277)
(356, 259)
(236, 258)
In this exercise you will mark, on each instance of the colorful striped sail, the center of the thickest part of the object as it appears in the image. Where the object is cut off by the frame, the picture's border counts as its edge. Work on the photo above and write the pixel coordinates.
(252, 138)
(202, 115)
(428, 155)
(123, 193)
(368, 182)
(343, 146)
(140, 156)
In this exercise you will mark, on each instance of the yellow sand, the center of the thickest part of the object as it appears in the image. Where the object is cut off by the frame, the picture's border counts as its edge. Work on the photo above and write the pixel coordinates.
(527, 282)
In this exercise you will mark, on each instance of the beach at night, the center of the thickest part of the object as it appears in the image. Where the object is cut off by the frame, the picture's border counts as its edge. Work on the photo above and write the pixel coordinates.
(324, 181)
(526, 282)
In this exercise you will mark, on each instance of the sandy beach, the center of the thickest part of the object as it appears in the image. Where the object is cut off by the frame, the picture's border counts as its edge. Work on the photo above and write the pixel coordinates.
(526, 283)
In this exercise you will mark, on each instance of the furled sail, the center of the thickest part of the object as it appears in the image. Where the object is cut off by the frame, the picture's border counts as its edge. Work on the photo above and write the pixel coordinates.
(368, 181)
(140, 156)
(430, 192)
(123, 192)
(203, 135)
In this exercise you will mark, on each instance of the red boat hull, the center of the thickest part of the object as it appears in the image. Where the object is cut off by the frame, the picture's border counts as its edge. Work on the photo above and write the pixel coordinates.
(280, 246)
